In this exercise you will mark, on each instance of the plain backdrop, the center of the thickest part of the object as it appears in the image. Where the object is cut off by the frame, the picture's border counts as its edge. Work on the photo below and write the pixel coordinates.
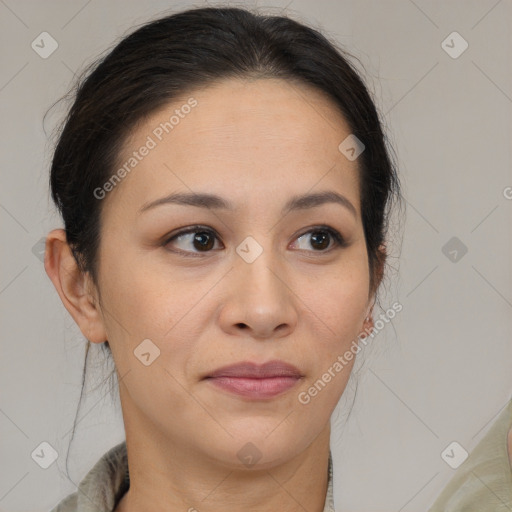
(440, 372)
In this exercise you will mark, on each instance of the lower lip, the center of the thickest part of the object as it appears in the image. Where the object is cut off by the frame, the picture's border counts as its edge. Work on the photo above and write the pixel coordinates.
(255, 388)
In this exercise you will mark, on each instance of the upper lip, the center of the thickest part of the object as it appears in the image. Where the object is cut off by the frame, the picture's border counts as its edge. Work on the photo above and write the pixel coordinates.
(248, 369)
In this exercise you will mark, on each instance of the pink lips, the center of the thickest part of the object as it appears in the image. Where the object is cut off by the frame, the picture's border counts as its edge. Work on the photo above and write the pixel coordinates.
(256, 381)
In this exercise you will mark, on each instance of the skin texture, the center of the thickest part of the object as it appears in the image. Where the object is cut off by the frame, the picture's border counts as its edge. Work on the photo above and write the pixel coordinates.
(255, 143)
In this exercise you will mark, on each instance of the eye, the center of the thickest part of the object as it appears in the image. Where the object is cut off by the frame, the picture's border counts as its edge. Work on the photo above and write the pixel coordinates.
(320, 238)
(202, 239)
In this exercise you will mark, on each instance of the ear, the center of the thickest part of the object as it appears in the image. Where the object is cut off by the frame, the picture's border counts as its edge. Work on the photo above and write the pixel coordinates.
(379, 273)
(76, 289)
(367, 327)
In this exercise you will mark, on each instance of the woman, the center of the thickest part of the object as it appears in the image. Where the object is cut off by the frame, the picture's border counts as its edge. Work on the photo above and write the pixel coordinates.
(225, 186)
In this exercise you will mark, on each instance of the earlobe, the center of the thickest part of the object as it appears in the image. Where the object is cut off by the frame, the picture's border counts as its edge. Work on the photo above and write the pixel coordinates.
(72, 286)
(367, 325)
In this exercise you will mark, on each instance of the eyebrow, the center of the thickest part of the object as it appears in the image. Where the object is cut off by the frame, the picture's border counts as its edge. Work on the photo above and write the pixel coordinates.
(204, 200)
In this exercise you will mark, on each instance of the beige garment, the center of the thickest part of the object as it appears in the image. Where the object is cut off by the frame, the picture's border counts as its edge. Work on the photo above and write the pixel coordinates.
(483, 482)
(107, 482)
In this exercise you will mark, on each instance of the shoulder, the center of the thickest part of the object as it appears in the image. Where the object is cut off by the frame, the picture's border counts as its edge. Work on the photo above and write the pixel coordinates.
(102, 486)
(484, 480)
(68, 504)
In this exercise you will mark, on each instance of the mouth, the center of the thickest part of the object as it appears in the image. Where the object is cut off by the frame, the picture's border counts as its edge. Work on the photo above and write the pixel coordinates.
(255, 381)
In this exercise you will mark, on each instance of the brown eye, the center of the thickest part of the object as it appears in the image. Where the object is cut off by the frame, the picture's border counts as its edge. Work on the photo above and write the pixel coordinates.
(198, 239)
(194, 239)
(320, 238)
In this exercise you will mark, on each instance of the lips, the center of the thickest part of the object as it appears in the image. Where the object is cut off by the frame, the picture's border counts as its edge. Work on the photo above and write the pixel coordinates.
(251, 381)
(250, 370)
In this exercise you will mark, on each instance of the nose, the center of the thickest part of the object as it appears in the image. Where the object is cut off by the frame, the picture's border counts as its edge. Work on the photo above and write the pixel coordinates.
(261, 300)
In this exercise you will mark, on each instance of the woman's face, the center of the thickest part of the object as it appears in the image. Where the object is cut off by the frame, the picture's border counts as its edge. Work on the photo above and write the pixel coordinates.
(255, 282)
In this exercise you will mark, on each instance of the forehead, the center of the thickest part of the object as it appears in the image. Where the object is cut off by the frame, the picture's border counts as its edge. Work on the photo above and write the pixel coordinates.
(255, 136)
(243, 112)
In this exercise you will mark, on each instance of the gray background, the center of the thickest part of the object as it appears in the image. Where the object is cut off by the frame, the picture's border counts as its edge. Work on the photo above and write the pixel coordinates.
(439, 373)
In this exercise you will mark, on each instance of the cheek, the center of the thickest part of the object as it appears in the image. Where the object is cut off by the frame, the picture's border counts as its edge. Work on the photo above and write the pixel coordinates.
(147, 305)
(337, 311)
(340, 302)
(140, 298)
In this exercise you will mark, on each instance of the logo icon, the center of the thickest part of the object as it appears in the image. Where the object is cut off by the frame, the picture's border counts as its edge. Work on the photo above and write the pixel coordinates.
(44, 45)
(351, 147)
(454, 249)
(454, 455)
(146, 352)
(249, 454)
(454, 45)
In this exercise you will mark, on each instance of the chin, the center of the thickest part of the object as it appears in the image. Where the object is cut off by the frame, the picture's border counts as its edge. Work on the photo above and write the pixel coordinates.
(253, 450)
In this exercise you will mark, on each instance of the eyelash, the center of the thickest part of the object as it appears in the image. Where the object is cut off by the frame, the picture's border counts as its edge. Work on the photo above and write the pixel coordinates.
(338, 239)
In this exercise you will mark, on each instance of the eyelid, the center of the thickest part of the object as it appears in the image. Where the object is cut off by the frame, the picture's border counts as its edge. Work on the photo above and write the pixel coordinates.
(338, 240)
(186, 231)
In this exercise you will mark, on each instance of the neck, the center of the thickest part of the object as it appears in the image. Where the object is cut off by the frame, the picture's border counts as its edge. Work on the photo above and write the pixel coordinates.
(169, 476)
